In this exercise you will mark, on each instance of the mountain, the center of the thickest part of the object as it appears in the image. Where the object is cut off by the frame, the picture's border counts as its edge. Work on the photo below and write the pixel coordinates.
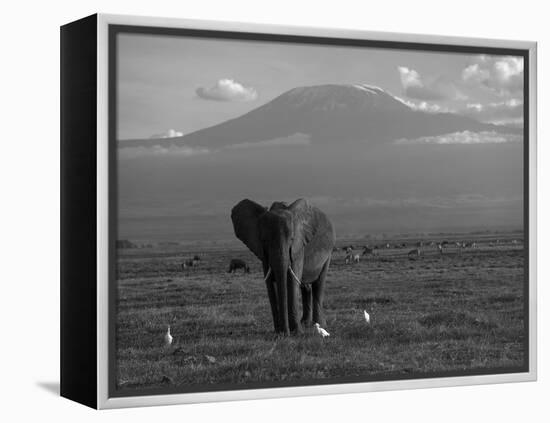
(345, 113)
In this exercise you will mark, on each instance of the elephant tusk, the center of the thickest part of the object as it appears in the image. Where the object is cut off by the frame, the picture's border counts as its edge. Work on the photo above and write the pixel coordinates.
(291, 272)
(294, 275)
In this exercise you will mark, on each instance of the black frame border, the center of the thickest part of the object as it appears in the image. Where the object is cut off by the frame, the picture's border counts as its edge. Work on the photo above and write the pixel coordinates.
(116, 29)
(78, 211)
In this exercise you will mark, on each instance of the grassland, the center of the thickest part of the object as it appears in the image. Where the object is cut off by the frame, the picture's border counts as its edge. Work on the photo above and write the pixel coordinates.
(460, 311)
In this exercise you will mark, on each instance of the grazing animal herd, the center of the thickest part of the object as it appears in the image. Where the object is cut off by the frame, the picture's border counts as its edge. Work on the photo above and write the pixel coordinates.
(351, 254)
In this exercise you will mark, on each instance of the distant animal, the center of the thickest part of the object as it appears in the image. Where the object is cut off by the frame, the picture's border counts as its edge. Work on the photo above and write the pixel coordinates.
(190, 263)
(440, 248)
(388, 245)
(367, 317)
(369, 251)
(352, 258)
(168, 338)
(348, 249)
(414, 253)
(321, 331)
(236, 264)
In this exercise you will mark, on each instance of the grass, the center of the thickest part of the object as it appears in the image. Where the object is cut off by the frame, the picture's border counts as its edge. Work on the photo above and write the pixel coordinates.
(445, 313)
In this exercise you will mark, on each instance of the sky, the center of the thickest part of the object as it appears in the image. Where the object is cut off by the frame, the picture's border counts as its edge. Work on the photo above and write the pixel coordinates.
(172, 86)
(175, 85)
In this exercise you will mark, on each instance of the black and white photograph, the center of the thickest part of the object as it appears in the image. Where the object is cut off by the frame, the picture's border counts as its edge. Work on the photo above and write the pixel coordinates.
(265, 213)
(293, 213)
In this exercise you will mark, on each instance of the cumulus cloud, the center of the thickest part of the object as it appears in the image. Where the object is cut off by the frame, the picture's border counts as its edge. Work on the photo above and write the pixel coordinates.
(475, 73)
(465, 137)
(424, 106)
(227, 90)
(502, 74)
(509, 112)
(414, 86)
(158, 150)
(171, 133)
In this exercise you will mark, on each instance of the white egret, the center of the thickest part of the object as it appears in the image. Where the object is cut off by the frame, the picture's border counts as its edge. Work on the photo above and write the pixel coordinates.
(321, 331)
(367, 317)
(168, 338)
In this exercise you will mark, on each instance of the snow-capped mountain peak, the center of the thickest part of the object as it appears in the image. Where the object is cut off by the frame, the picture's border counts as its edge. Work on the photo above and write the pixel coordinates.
(358, 113)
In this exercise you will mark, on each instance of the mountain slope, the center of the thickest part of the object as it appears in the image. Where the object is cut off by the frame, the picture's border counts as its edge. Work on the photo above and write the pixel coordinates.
(329, 113)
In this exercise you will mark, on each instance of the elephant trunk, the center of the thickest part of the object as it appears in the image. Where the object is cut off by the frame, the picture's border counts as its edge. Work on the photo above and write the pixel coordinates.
(279, 263)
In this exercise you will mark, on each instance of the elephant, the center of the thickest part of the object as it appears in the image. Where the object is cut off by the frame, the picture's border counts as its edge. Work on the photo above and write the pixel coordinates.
(294, 243)
(235, 264)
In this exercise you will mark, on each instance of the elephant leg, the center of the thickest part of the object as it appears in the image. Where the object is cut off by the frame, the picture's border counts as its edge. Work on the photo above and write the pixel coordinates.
(293, 320)
(272, 295)
(318, 288)
(307, 309)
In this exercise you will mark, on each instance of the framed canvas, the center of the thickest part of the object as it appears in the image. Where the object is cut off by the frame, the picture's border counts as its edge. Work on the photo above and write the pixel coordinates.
(254, 211)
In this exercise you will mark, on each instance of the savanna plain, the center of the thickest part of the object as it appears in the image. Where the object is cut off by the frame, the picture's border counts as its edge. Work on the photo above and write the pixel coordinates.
(434, 314)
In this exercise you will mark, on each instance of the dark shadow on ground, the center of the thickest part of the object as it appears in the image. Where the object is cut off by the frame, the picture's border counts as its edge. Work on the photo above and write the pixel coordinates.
(51, 387)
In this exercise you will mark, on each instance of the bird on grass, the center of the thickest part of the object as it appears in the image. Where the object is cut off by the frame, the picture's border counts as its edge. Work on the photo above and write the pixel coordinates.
(168, 338)
(367, 317)
(321, 331)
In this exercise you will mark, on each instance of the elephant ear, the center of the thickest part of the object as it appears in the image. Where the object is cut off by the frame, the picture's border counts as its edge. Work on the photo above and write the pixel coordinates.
(245, 217)
(304, 224)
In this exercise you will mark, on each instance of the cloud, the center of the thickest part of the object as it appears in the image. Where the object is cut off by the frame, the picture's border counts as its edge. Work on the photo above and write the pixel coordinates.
(158, 150)
(475, 73)
(171, 133)
(227, 90)
(465, 137)
(424, 106)
(509, 112)
(296, 139)
(186, 151)
(502, 74)
(414, 86)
